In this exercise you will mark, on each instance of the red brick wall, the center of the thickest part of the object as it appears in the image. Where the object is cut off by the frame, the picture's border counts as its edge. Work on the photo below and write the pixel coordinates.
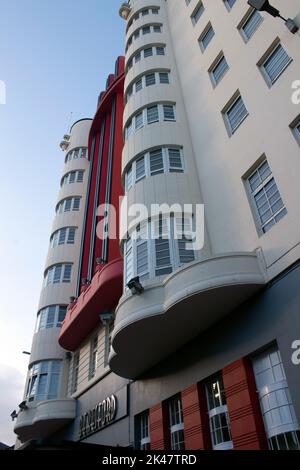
(159, 431)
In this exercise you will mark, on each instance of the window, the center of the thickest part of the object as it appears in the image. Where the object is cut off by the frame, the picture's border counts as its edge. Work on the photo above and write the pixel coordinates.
(248, 27)
(161, 160)
(218, 414)
(150, 115)
(296, 129)
(142, 431)
(265, 197)
(63, 236)
(235, 114)
(169, 113)
(218, 69)
(43, 381)
(139, 121)
(147, 80)
(148, 52)
(145, 12)
(76, 153)
(206, 37)
(57, 274)
(197, 13)
(158, 247)
(75, 372)
(157, 28)
(50, 317)
(109, 327)
(160, 50)
(67, 205)
(229, 4)
(176, 423)
(93, 357)
(278, 412)
(275, 64)
(150, 79)
(146, 30)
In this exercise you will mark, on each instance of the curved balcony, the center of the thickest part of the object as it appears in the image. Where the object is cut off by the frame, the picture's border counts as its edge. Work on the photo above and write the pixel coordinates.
(44, 419)
(151, 326)
(101, 296)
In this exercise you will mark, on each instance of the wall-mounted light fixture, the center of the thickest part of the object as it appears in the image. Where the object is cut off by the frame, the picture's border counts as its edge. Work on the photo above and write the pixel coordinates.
(264, 5)
(135, 286)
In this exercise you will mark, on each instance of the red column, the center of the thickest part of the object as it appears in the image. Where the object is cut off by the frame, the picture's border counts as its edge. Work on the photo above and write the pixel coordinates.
(247, 427)
(159, 431)
(195, 417)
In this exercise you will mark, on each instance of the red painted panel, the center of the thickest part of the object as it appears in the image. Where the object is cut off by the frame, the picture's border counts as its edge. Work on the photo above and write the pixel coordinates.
(159, 432)
(195, 417)
(246, 422)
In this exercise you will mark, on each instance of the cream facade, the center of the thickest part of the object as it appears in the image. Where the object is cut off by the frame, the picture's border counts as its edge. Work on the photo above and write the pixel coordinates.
(47, 406)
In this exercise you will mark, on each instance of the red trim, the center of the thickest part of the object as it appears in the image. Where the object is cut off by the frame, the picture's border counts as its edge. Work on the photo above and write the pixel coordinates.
(246, 422)
(159, 431)
(100, 296)
(195, 417)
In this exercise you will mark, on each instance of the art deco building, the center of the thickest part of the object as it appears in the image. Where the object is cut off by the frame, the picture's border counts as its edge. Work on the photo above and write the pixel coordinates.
(193, 350)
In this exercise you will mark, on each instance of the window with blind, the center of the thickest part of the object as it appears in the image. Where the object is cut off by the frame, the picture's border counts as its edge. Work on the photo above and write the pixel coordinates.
(275, 64)
(267, 204)
(59, 273)
(150, 115)
(63, 236)
(235, 114)
(206, 37)
(218, 69)
(158, 247)
(197, 13)
(50, 317)
(248, 27)
(149, 79)
(161, 160)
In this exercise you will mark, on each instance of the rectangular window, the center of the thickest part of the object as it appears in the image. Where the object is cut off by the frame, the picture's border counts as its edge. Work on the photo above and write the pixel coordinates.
(128, 179)
(164, 77)
(169, 113)
(62, 236)
(145, 12)
(57, 274)
(157, 28)
(68, 204)
(67, 273)
(251, 24)
(150, 79)
(152, 114)
(62, 311)
(146, 30)
(139, 120)
(148, 52)
(129, 271)
(143, 431)
(236, 114)
(76, 204)
(275, 64)
(137, 57)
(75, 371)
(138, 85)
(197, 13)
(176, 424)
(265, 197)
(218, 70)
(71, 236)
(162, 247)
(160, 50)
(72, 176)
(175, 161)
(183, 231)
(80, 176)
(129, 129)
(206, 37)
(140, 170)
(156, 162)
(93, 357)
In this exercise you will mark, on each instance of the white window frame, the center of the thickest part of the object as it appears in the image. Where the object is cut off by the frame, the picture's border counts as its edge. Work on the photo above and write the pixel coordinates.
(61, 206)
(252, 193)
(130, 250)
(36, 371)
(231, 131)
(143, 423)
(198, 9)
(214, 67)
(130, 175)
(262, 63)
(143, 118)
(42, 321)
(131, 89)
(93, 361)
(203, 35)
(55, 239)
(178, 426)
(241, 27)
(79, 152)
(56, 274)
(75, 372)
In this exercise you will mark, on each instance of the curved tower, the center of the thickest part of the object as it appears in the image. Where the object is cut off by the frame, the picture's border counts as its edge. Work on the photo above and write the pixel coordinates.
(160, 167)
(46, 408)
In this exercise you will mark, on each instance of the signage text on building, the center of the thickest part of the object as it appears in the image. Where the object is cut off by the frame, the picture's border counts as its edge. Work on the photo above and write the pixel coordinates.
(99, 417)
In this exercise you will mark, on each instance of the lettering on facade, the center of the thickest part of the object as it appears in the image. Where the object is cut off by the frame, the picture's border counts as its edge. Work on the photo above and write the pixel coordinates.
(99, 417)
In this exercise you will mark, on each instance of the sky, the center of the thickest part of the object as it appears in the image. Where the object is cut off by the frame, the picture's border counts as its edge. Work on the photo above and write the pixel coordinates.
(55, 56)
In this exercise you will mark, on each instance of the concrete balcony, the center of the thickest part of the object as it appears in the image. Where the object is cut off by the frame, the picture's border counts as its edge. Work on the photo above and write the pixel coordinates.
(41, 420)
(151, 326)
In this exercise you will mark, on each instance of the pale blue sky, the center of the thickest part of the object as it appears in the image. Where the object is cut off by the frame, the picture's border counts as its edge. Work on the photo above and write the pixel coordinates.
(55, 56)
